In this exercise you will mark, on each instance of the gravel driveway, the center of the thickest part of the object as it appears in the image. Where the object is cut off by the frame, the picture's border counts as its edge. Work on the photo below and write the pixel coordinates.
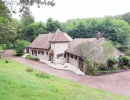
(118, 83)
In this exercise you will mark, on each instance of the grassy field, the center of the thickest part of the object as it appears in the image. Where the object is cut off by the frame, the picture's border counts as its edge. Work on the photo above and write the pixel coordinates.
(16, 83)
(0, 47)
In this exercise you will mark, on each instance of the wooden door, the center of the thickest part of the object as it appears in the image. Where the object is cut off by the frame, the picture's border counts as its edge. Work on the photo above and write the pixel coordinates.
(81, 64)
(27, 50)
(49, 57)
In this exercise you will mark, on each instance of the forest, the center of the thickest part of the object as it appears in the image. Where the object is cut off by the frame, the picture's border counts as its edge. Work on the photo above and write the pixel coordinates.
(19, 33)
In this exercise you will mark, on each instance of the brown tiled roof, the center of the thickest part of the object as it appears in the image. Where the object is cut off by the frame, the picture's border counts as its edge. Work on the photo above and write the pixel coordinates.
(59, 37)
(42, 41)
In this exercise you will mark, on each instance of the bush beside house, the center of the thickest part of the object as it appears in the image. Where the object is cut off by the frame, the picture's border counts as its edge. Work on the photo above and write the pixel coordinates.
(113, 65)
(20, 45)
(31, 58)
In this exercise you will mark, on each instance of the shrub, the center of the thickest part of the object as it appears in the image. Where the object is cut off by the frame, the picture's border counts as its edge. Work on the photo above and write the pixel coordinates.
(124, 61)
(29, 69)
(29, 57)
(20, 45)
(18, 54)
(36, 59)
(125, 67)
(102, 67)
(91, 67)
(111, 62)
(43, 75)
(7, 61)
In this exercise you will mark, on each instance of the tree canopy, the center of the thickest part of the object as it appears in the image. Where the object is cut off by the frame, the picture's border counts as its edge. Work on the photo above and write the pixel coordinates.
(24, 5)
(33, 30)
(4, 11)
(115, 29)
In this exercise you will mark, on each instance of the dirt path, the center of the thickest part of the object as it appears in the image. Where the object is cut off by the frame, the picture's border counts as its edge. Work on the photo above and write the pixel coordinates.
(118, 83)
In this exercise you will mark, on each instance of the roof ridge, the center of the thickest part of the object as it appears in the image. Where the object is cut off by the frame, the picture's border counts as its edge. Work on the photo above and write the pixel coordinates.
(54, 35)
(59, 36)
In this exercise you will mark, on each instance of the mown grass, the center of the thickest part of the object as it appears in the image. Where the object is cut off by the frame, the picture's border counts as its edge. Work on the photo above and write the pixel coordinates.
(20, 82)
(0, 47)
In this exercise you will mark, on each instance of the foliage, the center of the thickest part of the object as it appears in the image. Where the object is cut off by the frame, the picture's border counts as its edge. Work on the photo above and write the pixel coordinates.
(111, 62)
(29, 69)
(20, 45)
(23, 6)
(124, 61)
(52, 25)
(116, 30)
(2, 19)
(28, 86)
(4, 11)
(7, 33)
(3, 46)
(43, 75)
(125, 17)
(26, 20)
(7, 61)
(96, 55)
(33, 30)
(91, 67)
(102, 67)
(32, 58)
(28, 56)
(125, 49)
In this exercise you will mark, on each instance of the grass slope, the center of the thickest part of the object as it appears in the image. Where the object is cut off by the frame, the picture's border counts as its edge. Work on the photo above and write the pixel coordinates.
(18, 84)
(0, 47)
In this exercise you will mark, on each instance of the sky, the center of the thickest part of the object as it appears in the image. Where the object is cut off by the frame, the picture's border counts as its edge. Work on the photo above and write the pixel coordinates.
(72, 9)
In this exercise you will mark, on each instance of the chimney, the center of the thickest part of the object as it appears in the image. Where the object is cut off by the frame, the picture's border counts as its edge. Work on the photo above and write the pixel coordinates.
(98, 35)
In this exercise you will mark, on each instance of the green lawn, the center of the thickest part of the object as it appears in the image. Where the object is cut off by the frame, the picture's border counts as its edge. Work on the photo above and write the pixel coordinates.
(0, 47)
(18, 84)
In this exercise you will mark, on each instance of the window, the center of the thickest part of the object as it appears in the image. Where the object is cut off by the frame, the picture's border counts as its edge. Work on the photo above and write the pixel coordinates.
(47, 53)
(68, 54)
(35, 53)
(65, 55)
(42, 52)
(61, 55)
(75, 57)
(71, 56)
(38, 52)
(32, 52)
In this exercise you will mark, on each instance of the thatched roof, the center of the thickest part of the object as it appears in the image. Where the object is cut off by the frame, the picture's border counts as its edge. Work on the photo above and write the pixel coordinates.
(92, 48)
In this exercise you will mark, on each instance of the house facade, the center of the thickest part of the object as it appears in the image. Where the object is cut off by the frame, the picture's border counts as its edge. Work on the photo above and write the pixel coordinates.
(60, 48)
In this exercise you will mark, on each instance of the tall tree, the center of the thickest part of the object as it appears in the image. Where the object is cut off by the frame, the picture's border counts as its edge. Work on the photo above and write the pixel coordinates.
(4, 11)
(52, 25)
(125, 17)
(32, 31)
(26, 20)
(7, 32)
